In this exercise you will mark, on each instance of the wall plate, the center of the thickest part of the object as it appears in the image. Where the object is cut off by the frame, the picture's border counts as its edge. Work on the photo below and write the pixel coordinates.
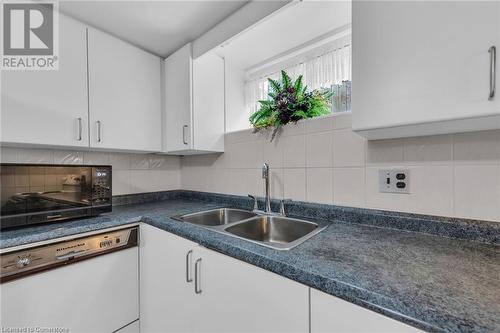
(394, 180)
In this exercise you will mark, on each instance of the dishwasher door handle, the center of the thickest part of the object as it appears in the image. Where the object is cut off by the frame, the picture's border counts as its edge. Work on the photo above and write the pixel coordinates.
(72, 255)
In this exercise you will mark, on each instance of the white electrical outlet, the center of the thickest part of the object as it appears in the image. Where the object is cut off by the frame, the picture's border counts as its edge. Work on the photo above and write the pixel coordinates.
(394, 180)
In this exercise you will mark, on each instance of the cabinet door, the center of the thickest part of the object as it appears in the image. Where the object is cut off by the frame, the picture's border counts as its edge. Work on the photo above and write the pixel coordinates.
(49, 107)
(419, 62)
(208, 103)
(124, 95)
(237, 297)
(330, 314)
(95, 295)
(178, 101)
(166, 298)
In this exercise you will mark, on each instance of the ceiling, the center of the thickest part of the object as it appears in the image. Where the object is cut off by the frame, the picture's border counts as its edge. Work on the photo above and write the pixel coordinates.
(286, 29)
(160, 27)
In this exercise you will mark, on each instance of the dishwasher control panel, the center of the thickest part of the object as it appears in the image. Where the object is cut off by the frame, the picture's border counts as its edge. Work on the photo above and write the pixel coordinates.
(31, 260)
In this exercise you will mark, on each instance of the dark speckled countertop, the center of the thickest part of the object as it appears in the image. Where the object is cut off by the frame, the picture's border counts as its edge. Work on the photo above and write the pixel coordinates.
(435, 283)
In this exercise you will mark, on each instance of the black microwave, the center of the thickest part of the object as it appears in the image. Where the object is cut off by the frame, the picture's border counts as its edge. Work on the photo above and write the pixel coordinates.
(37, 193)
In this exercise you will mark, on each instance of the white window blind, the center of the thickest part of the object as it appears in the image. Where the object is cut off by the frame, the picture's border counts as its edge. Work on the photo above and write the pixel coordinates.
(330, 69)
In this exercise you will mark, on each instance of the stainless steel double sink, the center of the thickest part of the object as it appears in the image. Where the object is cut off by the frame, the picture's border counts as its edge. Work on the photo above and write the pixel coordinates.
(274, 231)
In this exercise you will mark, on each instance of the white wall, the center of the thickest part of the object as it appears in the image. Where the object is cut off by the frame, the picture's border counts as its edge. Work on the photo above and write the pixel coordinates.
(322, 160)
(132, 173)
(236, 115)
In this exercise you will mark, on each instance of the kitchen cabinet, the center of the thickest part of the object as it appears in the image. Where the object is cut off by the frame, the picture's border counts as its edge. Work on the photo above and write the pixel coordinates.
(187, 288)
(331, 314)
(124, 95)
(49, 107)
(194, 103)
(233, 296)
(166, 298)
(422, 68)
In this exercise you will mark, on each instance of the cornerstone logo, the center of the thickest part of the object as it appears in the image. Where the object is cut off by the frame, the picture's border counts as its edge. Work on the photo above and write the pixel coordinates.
(30, 39)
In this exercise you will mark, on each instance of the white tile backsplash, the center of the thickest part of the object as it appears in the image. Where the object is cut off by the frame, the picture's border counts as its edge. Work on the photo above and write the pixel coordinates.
(277, 182)
(433, 187)
(295, 184)
(429, 149)
(323, 160)
(68, 157)
(247, 154)
(385, 151)
(95, 158)
(139, 162)
(348, 149)
(246, 181)
(349, 186)
(119, 161)
(320, 124)
(132, 173)
(121, 182)
(35, 156)
(294, 151)
(319, 150)
(477, 189)
(319, 160)
(477, 147)
(316, 191)
(274, 152)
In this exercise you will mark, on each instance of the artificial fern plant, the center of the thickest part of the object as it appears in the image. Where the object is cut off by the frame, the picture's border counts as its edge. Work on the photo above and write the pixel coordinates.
(289, 102)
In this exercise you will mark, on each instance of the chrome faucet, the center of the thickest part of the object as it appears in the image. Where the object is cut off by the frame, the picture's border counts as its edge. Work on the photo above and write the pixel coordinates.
(265, 176)
(267, 208)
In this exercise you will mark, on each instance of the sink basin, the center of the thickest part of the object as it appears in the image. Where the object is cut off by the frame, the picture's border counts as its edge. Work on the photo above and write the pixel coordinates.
(274, 231)
(216, 217)
(277, 232)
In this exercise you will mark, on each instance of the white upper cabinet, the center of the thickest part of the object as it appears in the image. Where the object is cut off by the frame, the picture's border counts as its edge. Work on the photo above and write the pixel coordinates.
(422, 68)
(49, 107)
(178, 100)
(124, 95)
(194, 103)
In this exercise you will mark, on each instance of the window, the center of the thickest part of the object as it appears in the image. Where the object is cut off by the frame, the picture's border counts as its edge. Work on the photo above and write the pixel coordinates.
(328, 66)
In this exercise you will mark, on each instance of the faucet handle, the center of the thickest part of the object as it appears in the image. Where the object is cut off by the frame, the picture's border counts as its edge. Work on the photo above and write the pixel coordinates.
(282, 206)
(255, 205)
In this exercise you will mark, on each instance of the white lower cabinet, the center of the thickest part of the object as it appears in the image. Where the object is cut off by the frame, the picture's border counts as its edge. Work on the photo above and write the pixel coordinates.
(234, 296)
(223, 295)
(330, 314)
(166, 298)
(185, 287)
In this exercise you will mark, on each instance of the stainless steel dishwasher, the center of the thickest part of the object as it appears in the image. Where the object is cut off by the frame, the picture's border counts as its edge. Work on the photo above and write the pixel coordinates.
(81, 284)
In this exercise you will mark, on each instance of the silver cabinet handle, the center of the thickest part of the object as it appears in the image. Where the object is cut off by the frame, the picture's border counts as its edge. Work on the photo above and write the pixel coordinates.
(197, 276)
(98, 131)
(79, 129)
(189, 278)
(493, 63)
(184, 134)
